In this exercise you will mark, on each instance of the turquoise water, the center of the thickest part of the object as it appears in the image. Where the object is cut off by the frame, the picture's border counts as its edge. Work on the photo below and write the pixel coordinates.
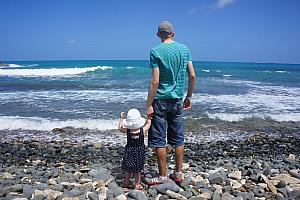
(41, 95)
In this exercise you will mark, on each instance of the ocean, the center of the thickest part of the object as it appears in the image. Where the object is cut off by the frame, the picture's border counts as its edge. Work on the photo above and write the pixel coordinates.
(90, 94)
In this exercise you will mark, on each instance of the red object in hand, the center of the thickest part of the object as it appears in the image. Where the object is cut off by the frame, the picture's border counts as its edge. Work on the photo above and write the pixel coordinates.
(187, 104)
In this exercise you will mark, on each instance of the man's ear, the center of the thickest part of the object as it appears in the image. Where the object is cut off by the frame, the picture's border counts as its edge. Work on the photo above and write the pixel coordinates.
(172, 34)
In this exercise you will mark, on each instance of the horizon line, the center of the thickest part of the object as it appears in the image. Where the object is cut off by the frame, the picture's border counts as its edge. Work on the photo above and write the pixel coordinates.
(4, 61)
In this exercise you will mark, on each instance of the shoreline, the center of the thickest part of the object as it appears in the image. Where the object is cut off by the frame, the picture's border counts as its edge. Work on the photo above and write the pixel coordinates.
(258, 167)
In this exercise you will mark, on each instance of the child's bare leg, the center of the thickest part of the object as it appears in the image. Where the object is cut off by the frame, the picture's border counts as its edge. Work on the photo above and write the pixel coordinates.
(126, 180)
(137, 181)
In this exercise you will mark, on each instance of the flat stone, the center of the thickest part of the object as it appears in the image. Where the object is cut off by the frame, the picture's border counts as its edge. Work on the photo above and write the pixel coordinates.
(73, 193)
(235, 175)
(227, 196)
(175, 195)
(269, 183)
(287, 178)
(162, 188)
(121, 197)
(235, 184)
(215, 178)
(7, 175)
(85, 180)
(27, 191)
(138, 195)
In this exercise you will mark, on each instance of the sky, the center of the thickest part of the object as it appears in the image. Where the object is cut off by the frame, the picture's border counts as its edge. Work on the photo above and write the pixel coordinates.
(214, 30)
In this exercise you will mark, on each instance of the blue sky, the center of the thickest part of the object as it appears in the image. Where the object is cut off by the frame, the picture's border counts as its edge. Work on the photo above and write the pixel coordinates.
(214, 30)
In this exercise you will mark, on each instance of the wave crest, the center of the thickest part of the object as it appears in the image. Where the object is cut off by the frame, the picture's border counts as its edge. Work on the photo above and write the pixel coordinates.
(50, 72)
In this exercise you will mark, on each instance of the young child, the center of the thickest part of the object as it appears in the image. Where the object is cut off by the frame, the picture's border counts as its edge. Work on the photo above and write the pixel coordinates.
(135, 151)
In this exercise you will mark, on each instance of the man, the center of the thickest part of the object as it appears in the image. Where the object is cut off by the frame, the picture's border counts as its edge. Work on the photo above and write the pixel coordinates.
(166, 101)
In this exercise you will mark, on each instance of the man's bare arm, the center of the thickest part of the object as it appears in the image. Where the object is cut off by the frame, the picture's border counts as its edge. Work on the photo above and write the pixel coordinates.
(152, 91)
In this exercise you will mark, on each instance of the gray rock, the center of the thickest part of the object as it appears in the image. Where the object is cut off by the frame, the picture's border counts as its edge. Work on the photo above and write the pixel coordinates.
(39, 197)
(27, 191)
(187, 194)
(42, 186)
(73, 193)
(186, 181)
(99, 173)
(152, 192)
(197, 198)
(227, 196)
(162, 188)
(281, 184)
(136, 194)
(93, 196)
(118, 191)
(294, 194)
(16, 188)
(295, 175)
(57, 187)
(216, 196)
(246, 195)
(215, 178)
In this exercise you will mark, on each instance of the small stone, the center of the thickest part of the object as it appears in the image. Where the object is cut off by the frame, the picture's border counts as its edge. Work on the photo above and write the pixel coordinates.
(7, 175)
(227, 196)
(93, 196)
(152, 192)
(175, 195)
(138, 195)
(235, 184)
(235, 175)
(215, 178)
(185, 166)
(187, 194)
(51, 181)
(281, 184)
(121, 197)
(85, 180)
(269, 183)
(292, 158)
(162, 188)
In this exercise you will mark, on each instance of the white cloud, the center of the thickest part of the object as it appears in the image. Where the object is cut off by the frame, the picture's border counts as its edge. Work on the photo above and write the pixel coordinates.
(220, 4)
(71, 42)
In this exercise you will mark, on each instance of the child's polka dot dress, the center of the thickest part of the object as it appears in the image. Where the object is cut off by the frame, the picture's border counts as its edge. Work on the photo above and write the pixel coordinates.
(135, 153)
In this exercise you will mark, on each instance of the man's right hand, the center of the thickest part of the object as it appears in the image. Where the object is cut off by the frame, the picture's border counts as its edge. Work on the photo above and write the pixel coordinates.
(187, 104)
(150, 112)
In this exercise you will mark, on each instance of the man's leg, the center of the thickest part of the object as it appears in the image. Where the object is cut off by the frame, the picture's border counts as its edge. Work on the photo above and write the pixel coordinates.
(179, 152)
(161, 154)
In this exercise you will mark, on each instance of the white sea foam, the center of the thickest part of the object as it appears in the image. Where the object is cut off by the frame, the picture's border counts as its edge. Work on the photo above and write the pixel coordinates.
(281, 71)
(50, 72)
(206, 70)
(130, 67)
(239, 117)
(37, 123)
(227, 75)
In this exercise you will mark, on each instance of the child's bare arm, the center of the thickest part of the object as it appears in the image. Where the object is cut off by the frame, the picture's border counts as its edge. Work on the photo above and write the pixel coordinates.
(147, 125)
(120, 126)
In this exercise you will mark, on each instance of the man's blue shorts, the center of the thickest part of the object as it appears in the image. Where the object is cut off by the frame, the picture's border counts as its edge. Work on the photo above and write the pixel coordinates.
(167, 120)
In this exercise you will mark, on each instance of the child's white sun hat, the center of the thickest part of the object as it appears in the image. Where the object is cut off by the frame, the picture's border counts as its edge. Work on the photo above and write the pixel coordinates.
(133, 120)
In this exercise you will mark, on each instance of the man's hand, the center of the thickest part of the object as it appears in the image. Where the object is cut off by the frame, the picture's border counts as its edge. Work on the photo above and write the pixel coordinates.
(150, 112)
(187, 104)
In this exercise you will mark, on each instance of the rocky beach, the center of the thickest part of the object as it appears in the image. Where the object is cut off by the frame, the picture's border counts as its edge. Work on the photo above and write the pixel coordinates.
(259, 166)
